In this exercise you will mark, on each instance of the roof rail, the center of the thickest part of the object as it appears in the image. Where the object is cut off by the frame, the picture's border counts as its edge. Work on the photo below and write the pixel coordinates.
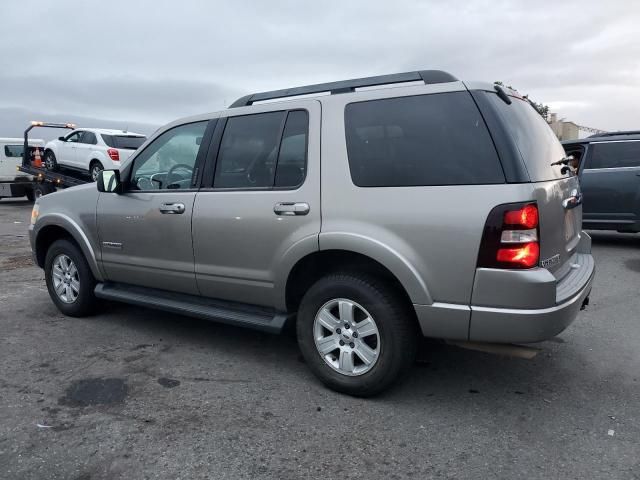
(346, 86)
(615, 134)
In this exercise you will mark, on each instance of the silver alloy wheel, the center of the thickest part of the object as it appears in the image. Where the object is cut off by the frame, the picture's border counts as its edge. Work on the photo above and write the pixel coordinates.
(95, 171)
(346, 336)
(66, 281)
(48, 162)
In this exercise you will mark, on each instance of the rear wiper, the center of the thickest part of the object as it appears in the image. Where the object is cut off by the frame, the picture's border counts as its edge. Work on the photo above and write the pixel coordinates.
(563, 161)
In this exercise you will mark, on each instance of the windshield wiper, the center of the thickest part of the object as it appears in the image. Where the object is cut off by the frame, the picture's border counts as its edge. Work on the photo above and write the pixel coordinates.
(563, 161)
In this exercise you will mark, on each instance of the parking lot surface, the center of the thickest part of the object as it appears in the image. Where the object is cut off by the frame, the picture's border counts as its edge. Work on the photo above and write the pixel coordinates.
(134, 393)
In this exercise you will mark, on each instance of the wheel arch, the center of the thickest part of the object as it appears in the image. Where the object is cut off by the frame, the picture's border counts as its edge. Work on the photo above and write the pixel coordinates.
(57, 227)
(313, 266)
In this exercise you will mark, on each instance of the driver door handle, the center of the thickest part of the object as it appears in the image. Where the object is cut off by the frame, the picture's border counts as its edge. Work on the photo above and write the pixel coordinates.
(172, 208)
(291, 208)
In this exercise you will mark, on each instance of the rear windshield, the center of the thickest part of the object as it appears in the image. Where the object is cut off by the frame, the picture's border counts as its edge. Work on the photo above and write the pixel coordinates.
(128, 142)
(536, 141)
(437, 139)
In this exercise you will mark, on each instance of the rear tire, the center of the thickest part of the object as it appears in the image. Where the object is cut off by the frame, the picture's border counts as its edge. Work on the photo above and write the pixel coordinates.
(50, 161)
(69, 279)
(391, 336)
(31, 196)
(41, 189)
(94, 170)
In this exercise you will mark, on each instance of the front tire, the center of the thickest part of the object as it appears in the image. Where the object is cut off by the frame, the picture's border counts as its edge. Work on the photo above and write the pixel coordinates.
(357, 335)
(69, 279)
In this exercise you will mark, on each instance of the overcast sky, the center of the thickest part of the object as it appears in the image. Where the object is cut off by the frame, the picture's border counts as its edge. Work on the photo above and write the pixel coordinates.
(153, 61)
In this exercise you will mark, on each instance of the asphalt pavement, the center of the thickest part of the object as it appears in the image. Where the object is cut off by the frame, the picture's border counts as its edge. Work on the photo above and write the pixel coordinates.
(133, 393)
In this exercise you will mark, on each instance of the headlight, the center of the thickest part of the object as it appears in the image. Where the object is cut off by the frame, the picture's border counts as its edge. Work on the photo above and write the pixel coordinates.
(34, 213)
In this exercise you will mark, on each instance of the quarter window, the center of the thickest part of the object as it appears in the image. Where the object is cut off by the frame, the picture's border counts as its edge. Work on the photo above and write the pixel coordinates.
(168, 162)
(615, 154)
(437, 139)
(292, 159)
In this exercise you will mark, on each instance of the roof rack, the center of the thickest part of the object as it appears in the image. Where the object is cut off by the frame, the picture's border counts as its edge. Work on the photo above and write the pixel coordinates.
(346, 86)
(615, 134)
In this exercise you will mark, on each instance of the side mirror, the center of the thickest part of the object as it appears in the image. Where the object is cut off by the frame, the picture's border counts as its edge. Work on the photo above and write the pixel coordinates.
(61, 139)
(109, 181)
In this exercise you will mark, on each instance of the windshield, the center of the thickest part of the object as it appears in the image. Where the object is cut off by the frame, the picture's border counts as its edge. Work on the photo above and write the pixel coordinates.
(536, 142)
(128, 142)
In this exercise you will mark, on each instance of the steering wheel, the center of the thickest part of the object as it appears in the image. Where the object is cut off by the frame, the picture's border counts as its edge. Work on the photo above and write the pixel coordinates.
(169, 180)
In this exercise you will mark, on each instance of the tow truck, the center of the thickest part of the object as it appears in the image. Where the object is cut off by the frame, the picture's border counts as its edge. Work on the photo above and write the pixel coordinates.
(38, 180)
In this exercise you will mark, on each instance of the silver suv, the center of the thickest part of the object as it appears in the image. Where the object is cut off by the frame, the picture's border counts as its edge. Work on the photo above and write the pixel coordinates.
(369, 211)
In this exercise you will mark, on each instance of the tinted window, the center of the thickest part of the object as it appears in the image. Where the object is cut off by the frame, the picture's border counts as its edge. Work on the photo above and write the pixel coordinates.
(248, 151)
(438, 139)
(128, 142)
(74, 137)
(89, 137)
(615, 154)
(538, 145)
(168, 162)
(292, 159)
(13, 151)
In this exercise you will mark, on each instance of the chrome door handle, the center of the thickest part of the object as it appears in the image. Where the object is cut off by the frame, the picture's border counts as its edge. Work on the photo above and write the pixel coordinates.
(291, 208)
(172, 208)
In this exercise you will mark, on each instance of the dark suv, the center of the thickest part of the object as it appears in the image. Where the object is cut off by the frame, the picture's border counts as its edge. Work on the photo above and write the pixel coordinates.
(609, 170)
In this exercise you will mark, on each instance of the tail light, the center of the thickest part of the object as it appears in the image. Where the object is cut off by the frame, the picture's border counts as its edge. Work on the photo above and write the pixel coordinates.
(113, 154)
(511, 237)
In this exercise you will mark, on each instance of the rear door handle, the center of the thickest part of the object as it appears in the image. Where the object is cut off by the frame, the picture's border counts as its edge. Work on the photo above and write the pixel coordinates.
(172, 208)
(291, 208)
(573, 201)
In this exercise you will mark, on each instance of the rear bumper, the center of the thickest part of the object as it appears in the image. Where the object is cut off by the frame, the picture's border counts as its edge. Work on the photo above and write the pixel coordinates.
(511, 306)
(510, 325)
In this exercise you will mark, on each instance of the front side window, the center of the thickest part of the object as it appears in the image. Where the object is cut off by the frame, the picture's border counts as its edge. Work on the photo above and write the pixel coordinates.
(437, 139)
(169, 161)
(615, 155)
(74, 137)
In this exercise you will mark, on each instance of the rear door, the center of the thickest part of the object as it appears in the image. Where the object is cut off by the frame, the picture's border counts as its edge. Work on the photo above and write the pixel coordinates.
(262, 202)
(84, 149)
(611, 184)
(555, 187)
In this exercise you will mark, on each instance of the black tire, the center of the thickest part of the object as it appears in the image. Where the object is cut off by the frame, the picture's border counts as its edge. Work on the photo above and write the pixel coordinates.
(50, 161)
(31, 196)
(85, 302)
(396, 325)
(41, 189)
(98, 167)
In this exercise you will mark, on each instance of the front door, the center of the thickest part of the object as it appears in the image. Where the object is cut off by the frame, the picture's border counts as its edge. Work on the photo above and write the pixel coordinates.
(68, 150)
(262, 203)
(145, 232)
(611, 184)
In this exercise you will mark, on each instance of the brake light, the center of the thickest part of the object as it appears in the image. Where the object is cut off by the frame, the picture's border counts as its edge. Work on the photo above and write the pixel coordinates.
(113, 154)
(511, 237)
(526, 217)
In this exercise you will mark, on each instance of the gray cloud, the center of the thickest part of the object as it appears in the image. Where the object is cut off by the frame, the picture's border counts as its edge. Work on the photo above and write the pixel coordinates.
(153, 61)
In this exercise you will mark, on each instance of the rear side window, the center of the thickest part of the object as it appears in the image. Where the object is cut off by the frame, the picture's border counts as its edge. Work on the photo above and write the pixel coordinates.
(89, 137)
(614, 154)
(127, 142)
(538, 145)
(11, 151)
(437, 139)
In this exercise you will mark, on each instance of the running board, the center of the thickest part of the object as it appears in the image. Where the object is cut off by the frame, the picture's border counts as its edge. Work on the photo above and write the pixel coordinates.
(232, 313)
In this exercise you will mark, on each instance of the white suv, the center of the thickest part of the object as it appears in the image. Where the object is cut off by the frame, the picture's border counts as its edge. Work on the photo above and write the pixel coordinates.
(92, 150)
